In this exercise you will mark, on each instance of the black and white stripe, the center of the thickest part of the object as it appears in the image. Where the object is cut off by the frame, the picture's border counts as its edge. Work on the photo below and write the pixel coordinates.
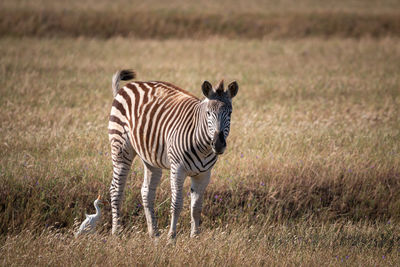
(168, 128)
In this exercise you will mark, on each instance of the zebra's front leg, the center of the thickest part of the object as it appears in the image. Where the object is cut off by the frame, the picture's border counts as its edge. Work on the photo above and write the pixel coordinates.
(197, 188)
(152, 176)
(178, 176)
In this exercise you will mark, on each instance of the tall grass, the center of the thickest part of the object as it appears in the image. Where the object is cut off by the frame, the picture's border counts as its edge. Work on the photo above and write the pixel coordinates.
(315, 128)
(311, 174)
(182, 19)
(277, 245)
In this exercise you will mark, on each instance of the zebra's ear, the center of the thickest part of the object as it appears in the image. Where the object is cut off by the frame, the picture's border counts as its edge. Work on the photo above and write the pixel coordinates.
(207, 89)
(233, 88)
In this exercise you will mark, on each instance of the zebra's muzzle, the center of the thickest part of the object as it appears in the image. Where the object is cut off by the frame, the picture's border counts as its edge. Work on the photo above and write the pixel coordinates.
(218, 143)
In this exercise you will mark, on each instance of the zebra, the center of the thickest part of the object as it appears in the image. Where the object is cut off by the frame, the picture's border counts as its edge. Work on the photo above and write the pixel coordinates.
(168, 128)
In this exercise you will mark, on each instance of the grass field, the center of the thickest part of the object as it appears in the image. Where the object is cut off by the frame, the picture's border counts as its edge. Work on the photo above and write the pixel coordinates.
(311, 174)
(254, 19)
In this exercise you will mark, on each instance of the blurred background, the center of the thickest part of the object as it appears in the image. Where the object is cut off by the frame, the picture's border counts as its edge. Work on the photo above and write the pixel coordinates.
(189, 19)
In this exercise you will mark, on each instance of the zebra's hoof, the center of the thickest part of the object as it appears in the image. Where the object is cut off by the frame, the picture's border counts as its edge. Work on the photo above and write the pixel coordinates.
(171, 242)
(154, 234)
(116, 231)
(195, 234)
(171, 239)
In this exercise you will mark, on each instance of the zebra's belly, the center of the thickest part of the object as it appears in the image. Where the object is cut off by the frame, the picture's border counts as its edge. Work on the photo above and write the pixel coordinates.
(153, 154)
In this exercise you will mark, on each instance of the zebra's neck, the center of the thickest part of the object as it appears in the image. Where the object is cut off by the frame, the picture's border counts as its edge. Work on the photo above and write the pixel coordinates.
(202, 137)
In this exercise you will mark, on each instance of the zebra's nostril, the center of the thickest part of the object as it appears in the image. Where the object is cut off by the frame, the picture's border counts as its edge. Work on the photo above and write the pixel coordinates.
(222, 138)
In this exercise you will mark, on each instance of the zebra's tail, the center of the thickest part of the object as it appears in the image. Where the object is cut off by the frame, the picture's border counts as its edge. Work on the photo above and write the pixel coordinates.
(124, 75)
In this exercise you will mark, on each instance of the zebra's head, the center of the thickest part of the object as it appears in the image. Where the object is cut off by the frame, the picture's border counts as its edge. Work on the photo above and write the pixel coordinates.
(218, 112)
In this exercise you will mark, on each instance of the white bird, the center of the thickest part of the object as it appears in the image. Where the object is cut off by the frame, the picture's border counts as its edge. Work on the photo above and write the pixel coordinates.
(89, 224)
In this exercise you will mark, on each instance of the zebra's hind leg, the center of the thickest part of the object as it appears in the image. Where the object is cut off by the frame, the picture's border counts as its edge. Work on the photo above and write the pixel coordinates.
(197, 188)
(122, 154)
(152, 176)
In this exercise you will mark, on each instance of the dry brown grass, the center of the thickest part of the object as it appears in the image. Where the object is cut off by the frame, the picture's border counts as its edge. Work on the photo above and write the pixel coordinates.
(223, 7)
(233, 245)
(311, 174)
(314, 134)
(183, 19)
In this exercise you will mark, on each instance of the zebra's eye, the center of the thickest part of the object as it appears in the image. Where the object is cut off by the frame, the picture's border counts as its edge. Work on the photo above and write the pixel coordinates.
(208, 113)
